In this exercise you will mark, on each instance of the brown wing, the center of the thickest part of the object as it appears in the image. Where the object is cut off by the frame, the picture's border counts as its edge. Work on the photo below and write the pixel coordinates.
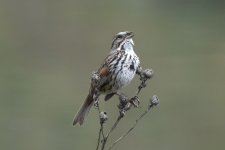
(103, 72)
(105, 78)
(106, 70)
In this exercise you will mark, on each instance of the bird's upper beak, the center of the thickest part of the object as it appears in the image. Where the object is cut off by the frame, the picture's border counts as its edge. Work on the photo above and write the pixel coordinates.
(129, 34)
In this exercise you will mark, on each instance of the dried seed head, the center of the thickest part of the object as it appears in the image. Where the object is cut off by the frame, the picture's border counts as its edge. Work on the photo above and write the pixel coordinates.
(123, 101)
(154, 100)
(148, 73)
(103, 117)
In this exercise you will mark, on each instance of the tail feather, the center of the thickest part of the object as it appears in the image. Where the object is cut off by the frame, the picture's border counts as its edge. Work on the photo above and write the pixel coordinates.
(83, 111)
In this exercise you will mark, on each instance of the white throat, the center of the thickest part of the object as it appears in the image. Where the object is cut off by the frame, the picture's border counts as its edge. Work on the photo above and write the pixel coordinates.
(128, 45)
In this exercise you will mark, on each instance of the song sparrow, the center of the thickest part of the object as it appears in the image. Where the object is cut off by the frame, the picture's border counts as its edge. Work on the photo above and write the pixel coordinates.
(117, 71)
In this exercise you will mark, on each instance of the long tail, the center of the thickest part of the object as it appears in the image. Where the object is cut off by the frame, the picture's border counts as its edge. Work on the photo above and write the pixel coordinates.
(83, 111)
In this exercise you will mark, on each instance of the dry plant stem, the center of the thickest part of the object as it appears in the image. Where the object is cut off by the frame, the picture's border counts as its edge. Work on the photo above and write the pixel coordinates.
(115, 124)
(101, 128)
(99, 137)
(134, 125)
(142, 85)
(110, 131)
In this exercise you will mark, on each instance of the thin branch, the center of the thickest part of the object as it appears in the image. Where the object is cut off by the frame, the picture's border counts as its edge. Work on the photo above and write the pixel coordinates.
(115, 124)
(99, 137)
(134, 125)
(101, 127)
(110, 131)
(103, 136)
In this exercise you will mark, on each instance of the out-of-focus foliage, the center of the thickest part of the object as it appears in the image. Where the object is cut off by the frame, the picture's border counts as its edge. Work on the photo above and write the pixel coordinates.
(48, 50)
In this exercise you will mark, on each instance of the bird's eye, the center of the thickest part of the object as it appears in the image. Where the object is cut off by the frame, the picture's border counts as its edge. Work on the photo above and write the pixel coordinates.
(119, 36)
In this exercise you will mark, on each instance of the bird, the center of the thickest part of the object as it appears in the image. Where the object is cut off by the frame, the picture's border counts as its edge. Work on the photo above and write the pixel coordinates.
(117, 71)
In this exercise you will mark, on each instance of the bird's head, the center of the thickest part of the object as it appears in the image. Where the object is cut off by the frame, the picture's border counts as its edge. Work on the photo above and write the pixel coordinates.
(123, 41)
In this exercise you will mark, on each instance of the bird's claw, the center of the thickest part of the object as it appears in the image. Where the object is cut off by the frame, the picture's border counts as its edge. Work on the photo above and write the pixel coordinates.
(135, 101)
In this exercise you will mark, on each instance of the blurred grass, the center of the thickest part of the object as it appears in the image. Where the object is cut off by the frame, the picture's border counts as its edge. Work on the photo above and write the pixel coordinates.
(49, 48)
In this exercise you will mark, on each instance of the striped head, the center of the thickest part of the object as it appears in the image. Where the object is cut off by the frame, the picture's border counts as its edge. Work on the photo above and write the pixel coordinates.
(123, 41)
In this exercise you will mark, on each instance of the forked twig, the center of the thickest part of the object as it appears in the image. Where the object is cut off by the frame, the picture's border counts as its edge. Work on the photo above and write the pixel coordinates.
(154, 102)
(113, 127)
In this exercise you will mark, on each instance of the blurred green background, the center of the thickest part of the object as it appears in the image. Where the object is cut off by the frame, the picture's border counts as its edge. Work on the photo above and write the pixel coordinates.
(48, 49)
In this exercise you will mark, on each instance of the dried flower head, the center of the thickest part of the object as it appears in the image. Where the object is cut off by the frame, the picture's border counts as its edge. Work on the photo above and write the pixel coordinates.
(154, 100)
(123, 101)
(103, 117)
(148, 73)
